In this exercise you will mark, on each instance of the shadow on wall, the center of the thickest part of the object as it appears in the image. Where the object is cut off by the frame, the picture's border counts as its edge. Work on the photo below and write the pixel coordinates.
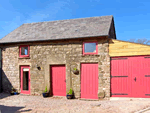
(6, 86)
(8, 109)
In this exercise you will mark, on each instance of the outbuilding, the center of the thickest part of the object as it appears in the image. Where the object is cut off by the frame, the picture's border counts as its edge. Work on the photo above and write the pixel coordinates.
(46, 54)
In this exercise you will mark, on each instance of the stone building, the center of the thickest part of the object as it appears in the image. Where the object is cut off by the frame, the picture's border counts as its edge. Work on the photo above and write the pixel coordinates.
(45, 54)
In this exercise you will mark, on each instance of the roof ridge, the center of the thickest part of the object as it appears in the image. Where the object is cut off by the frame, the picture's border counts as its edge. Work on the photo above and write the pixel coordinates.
(70, 19)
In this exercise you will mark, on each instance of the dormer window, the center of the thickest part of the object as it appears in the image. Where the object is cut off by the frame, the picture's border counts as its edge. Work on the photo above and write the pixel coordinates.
(90, 48)
(24, 51)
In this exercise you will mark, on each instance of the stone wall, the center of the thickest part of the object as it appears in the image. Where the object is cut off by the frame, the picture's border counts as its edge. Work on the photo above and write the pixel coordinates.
(45, 54)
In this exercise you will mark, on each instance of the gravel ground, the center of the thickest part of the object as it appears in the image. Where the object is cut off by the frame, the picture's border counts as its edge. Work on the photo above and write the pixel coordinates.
(38, 104)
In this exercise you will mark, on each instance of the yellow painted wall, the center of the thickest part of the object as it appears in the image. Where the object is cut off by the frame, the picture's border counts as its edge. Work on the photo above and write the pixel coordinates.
(122, 48)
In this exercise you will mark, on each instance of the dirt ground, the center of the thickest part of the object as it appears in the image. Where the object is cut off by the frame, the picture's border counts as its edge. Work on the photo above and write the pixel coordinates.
(38, 104)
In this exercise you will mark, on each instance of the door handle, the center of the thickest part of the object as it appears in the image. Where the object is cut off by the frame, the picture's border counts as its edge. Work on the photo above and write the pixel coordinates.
(135, 79)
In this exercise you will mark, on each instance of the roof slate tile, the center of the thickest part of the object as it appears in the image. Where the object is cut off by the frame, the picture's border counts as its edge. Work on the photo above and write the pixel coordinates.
(62, 29)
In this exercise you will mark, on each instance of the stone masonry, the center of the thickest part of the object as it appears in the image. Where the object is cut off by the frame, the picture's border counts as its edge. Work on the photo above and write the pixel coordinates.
(45, 54)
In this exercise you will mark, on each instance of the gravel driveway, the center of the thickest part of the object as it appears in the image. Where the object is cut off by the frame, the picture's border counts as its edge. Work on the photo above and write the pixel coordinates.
(38, 104)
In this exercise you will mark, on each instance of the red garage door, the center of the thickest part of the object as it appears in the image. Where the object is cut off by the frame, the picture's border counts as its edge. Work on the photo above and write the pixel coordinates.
(130, 76)
(58, 80)
(89, 81)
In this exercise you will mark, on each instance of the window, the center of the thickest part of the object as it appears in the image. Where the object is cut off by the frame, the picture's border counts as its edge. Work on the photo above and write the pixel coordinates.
(24, 51)
(90, 48)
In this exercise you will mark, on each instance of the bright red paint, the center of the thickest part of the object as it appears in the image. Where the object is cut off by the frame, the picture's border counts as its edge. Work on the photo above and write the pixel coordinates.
(89, 81)
(90, 53)
(21, 84)
(58, 80)
(21, 56)
(133, 67)
(146, 80)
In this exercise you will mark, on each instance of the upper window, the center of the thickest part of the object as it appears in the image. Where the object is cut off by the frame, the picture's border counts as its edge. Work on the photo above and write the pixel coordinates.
(90, 48)
(24, 51)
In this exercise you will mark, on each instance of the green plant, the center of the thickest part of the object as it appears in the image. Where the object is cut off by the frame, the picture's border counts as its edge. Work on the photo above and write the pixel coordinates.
(75, 69)
(45, 89)
(70, 92)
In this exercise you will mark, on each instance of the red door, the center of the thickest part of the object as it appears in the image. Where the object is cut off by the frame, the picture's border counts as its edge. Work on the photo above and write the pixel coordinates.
(25, 79)
(120, 79)
(137, 79)
(146, 77)
(89, 81)
(58, 80)
(130, 76)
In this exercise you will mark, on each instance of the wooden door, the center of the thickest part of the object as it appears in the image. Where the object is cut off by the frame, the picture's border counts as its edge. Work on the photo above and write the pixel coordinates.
(130, 76)
(89, 81)
(120, 79)
(58, 80)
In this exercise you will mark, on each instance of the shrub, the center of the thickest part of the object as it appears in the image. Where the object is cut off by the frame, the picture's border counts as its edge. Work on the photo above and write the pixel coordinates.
(75, 69)
(45, 89)
(70, 92)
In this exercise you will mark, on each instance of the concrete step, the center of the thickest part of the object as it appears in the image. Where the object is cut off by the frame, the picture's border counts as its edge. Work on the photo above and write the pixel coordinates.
(127, 98)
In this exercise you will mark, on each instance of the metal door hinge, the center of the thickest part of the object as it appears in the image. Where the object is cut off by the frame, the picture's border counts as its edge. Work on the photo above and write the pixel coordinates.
(147, 57)
(117, 76)
(147, 75)
(147, 94)
(119, 94)
(118, 58)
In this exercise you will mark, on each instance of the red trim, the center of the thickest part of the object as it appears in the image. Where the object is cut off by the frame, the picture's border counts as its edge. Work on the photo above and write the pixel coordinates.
(90, 53)
(21, 56)
(21, 84)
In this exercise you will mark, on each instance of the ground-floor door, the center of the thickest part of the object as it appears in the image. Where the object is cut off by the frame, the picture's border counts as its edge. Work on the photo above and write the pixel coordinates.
(130, 76)
(89, 81)
(25, 79)
(58, 80)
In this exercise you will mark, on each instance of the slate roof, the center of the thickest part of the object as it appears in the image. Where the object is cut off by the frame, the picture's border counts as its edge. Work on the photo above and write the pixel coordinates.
(61, 29)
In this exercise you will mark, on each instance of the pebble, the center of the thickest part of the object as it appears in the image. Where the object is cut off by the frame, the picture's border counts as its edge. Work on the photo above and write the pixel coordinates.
(38, 104)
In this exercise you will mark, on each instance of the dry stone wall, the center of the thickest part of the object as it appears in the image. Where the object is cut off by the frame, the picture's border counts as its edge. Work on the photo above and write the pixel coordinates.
(45, 54)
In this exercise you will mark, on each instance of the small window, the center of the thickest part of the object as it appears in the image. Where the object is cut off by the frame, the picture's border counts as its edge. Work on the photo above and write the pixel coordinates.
(90, 48)
(24, 51)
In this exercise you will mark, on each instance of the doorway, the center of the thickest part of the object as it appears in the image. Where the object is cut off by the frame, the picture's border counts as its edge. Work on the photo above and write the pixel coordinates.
(25, 79)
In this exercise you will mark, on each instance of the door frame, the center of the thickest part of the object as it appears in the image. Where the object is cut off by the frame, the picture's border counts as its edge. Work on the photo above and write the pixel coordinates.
(21, 79)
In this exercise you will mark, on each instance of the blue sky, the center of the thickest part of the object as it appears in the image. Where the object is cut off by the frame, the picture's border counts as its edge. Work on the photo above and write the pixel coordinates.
(132, 17)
